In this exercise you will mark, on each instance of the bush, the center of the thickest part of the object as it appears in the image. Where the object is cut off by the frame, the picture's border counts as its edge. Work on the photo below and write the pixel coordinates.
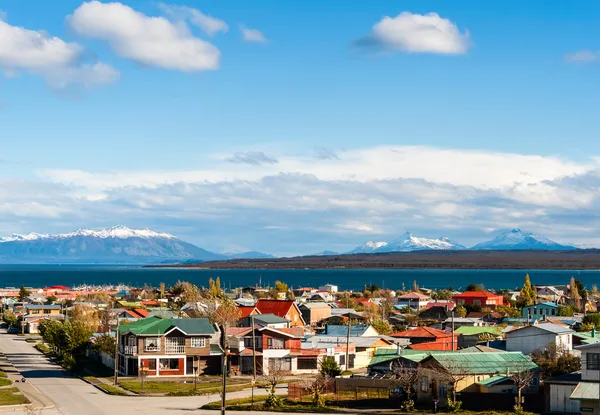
(454, 406)
(329, 367)
(273, 401)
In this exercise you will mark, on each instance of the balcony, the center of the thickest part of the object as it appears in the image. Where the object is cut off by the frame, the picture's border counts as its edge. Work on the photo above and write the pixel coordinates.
(175, 345)
(129, 350)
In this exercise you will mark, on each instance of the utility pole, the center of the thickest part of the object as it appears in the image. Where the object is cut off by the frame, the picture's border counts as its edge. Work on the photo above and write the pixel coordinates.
(253, 357)
(348, 341)
(452, 340)
(224, 368)
(116, 381)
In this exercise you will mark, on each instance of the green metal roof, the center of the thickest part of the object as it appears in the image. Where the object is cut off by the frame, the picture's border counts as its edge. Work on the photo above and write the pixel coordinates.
(474, 330)
(386, 355)
(215, 349)
(586, 337)
(485, 363)
(157, 325)
(269, 318)
(586, 390)
(493, 380)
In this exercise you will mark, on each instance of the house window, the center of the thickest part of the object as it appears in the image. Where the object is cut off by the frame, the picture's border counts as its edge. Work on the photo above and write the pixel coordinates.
(350, 361)
(151, 364)
(593, 361)
(307, 363)
(248, 342)
(151, 344)
(198, 342)
(461, 301)
(342, 359)
(476, 302)
(273, 343)
(169, 364)
(279, 364)
(424, 384)
(553, 312)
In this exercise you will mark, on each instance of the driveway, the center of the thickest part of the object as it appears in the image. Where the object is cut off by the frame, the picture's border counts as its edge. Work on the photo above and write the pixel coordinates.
(52, 385)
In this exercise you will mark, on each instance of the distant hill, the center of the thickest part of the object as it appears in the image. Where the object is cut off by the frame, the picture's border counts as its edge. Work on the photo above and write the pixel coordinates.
(248, 255)
(517, 239)
(408, 243)
(116, 245)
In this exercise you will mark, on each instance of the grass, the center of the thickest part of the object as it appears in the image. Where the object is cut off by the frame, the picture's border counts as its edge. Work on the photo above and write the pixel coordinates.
(32, 340)
(178, 388)
(287, 406)
(5, 382)
(111, 389)
(12, 396)
(43, 348)
(2, 374)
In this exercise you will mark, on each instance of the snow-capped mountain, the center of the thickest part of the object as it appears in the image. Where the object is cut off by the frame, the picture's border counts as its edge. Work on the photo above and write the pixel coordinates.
(409, 242)
(118, 244)
(368, 247)
(517, 239)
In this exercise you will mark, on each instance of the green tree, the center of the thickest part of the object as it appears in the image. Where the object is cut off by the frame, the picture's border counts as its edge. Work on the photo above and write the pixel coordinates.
(510, 311)
(443, 295)
(460, 311)
(592, 319)
(475, 287)
(9, 318)
(566, 310)
(23, 293)
(527, 292)
(328, 367)
(104, 343)
(281, 287)
(382, 326)
(415, 286)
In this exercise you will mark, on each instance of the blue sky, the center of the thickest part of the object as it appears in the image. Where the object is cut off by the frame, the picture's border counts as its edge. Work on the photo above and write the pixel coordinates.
(329, 124)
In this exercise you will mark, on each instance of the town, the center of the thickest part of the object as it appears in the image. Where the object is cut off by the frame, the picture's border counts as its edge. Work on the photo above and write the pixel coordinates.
(314, 348)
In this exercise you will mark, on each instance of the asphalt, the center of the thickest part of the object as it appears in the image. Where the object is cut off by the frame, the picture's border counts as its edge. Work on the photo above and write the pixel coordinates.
(54, 391)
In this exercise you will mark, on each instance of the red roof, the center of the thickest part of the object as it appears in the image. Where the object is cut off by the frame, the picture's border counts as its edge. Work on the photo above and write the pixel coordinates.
(278, 307)
(422, 332)
(150, 302)
(449, 304)
(440, 344)
(414, 296)
(142, 312)
(476, 294)
(247, 310)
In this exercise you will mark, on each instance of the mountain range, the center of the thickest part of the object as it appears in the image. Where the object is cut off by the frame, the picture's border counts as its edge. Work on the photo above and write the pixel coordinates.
(115, 245)
(122, 245)
(510, 240)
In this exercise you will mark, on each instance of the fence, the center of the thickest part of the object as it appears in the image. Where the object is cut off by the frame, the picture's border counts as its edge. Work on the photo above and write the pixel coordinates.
(107, 360)
(298, 390)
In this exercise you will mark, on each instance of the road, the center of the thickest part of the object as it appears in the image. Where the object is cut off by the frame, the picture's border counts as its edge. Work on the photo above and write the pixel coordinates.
(48, 384)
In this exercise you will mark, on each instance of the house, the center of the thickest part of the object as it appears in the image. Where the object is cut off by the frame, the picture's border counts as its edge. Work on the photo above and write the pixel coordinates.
(321, 296)
(469, 336)
(462, 321)
(358, 330)
(287, 309)
(538, 336)
(444, 343)
(365, 347)
(585, 337)
(447, 304)
(32, 322)
(435, 314)
(479, 298)
(560, 388)
(246, 311)
(412, 300)
(549, 293)
(265, 320)
(424, 335)
(538, 311)
(587, 391)
(313, 313)
(33, 309)
(169, 347)
(329, 287)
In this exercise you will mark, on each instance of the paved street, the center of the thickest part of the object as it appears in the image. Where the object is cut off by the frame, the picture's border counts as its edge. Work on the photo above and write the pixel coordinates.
(48, 384)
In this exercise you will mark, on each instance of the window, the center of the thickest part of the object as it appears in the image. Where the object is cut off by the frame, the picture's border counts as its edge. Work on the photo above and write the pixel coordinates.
(307, 363)
(151, 344)
(273, 343)
(424, 384)
(151, 364)
(350, 361)
(284, 363)
(553, 312)
(592, 361)
(342, 359)
(169, 364)
(461, 301)
(476, 302)
(198, 342)
(248, 342)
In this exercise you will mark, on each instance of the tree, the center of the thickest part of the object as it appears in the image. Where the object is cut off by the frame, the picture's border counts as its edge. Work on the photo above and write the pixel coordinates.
(460, 311)
(452, 372)
(9, 318)
(23, 293)
(214, 287)
(281, 287)
(276, 374)
(574, 294)
(522, 377)
(317, 387)
(475, 287)
(566, 310)
(527, 294)
(382, 326)
(415, 286)
(407, 377)
(104, 343)
(592, 319)
(555, 361)
(443, 295)
(162, 290)
(86, 315)
(329, 368)
(510, 311)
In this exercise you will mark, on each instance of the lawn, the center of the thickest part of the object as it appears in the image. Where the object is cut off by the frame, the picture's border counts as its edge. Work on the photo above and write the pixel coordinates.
(287, 405)
(110, 389)
(5, 382)
(2, 374)
(12, 396)
(179, 388)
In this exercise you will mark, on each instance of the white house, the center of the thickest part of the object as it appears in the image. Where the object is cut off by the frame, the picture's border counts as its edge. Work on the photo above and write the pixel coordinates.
(587, 391)
(413, 300)
(329, 287)
(538, 336)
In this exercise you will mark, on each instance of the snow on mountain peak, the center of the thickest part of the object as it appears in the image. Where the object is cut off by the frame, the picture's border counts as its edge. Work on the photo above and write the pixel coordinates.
(517, 239)
(368, 247)
(122, 232)
(407, 242)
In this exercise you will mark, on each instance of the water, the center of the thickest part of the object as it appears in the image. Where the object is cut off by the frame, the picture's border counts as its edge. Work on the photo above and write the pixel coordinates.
(70, 275)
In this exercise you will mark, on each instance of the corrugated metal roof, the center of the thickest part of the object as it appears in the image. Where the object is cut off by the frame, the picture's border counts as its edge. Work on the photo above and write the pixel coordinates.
(485, 363)
(586, 390)
(357, 330)
(493, 380)
(157, 325)
(471, 330)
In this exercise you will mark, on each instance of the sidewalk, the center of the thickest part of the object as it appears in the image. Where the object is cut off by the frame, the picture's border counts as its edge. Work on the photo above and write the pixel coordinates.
(38, 400)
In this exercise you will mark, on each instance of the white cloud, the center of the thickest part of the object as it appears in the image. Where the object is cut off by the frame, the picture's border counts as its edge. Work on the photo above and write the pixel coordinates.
(57, 61)
(152, 41)
(418, 33)
(208, 24)
(583, 56)
(252, 35)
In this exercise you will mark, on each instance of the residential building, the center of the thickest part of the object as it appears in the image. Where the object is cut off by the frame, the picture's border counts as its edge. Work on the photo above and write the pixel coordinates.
(358, 330)
(461, 322)
(447, 304)
(313, 313)
(169, 347)
(287, 309)
(469, 336)
(265, 320)
(366, 347)
(35, 309)
(433, 314)
(538, 336)
(560, 388)
(426, 335)
(479, 298)
(413, 300)
(549, 293)
(329, 287)
(538, 311)
(587, 391)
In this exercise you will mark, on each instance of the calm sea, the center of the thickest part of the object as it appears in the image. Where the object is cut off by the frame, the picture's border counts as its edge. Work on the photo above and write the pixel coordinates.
(44, 275)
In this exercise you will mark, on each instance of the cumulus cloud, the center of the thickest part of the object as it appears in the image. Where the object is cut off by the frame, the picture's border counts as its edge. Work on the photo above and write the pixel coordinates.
(57, 61)
(417, 33)
(583, 56)
(208, 24)
(326, 154)
(255, 158)
(152, 41)
(252, 35)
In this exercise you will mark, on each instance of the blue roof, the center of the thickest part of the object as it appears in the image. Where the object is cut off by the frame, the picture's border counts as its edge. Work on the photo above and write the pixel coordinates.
(334, 330)
(42, 307)
(548, 304)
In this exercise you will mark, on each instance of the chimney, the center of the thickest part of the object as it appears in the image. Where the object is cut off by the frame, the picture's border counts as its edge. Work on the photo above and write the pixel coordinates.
(593, 332)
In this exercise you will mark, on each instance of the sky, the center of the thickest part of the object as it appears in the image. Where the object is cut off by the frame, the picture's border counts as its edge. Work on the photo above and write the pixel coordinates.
(293, 127)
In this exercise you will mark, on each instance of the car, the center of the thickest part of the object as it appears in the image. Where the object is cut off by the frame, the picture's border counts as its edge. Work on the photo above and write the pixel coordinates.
(13, 330)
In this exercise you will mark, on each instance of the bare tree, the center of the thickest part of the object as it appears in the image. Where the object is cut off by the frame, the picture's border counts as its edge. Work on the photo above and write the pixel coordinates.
(317, 388)
(522, 377)
(407, 377)
(452, 372)
(277, 372)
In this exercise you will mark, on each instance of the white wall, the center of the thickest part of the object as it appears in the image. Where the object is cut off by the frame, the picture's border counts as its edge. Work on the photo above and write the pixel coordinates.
(529, 339)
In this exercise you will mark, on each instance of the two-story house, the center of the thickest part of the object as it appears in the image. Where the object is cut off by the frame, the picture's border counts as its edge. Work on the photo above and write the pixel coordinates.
(537, 337)
(287, 309)
(538, 311)
(478, 298)
(413, 300)
(587, 391)
(313, 313)
(169, 347)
